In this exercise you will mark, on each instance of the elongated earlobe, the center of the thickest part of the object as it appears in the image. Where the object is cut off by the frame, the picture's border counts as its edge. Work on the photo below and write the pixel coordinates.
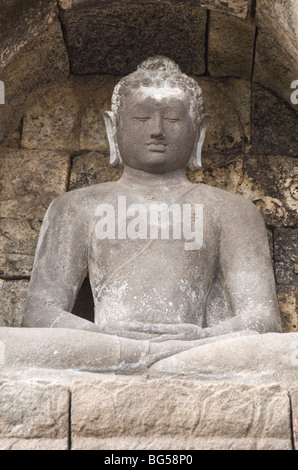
(110, 123)
(195, 161)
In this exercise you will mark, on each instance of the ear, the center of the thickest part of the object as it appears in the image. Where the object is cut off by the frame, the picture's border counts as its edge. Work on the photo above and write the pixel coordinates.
(110, 123)
(195, 161)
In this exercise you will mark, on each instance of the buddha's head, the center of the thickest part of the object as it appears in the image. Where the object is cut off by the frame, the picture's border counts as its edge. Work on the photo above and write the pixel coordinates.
(156, 123)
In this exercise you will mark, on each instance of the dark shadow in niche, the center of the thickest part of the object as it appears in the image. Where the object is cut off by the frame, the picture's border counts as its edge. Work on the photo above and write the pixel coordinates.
(84, 304)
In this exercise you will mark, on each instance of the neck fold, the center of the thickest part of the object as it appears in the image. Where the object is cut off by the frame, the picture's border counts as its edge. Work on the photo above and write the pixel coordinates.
(139, 178)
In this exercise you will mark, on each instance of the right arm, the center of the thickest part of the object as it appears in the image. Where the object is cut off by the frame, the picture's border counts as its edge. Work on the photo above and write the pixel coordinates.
(60, 266)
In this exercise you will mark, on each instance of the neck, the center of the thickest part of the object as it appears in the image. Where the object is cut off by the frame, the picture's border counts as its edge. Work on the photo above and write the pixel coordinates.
(143, 179)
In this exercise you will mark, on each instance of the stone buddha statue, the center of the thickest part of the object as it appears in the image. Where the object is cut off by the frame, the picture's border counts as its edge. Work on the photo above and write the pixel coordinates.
(174, 267)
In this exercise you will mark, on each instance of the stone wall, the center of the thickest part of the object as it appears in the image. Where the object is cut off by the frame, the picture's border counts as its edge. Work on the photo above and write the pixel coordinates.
(59, 66)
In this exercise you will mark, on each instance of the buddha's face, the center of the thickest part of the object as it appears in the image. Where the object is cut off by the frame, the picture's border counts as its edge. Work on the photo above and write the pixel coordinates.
(156, 131)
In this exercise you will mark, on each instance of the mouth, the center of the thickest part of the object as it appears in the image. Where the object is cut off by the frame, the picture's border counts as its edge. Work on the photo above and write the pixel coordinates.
(156, 147)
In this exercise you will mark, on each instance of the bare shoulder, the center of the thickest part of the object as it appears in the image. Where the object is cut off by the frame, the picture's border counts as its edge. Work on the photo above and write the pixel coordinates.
(227, 205)
(80, 202)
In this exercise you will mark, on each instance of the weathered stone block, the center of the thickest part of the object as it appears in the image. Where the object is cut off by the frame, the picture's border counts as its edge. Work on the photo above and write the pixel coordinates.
(276, 61)
(38, 63)
(286, 256)
(15, 34)
(241, 8)
(271, 183)
(114, 38)
(18, 240)
(137, 413)
(281, 14)
(69, 116)
(30, 180)
(274, 124)
(52, 122)
(12, 301)
(92, 168)
(222, 171)
(33, 444)
(178, 414)
(230, 46)
(96, 99)
(275, 69)
(33, 411)
(178, 443)
(227, 101)
(14, 137)
(288, 304)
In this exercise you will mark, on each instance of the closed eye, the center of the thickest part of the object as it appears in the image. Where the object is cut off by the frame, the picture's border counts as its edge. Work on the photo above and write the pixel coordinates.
(142, 119)
(172, 119)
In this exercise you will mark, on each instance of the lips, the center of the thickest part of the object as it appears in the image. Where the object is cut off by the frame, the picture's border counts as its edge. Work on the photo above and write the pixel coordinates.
(156, 147)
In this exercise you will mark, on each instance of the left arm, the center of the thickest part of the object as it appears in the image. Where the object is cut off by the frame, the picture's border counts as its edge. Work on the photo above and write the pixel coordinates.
(246, 272)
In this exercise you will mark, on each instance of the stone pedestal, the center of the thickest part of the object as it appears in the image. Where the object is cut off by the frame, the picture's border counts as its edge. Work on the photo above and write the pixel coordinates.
(52, 409)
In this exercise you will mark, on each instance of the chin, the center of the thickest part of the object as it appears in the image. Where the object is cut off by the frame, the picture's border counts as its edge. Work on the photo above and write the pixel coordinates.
(157, 167)
(155, 163)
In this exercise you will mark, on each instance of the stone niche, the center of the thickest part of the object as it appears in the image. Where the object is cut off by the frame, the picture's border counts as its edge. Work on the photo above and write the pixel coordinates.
(59, 65)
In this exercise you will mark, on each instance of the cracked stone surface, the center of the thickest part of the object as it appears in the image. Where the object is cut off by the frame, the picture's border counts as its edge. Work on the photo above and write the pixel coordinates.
(109, 413)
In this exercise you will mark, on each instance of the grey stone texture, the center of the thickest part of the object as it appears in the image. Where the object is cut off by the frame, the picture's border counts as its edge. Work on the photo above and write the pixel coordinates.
(288, 303)
(33, 415)
(30, 180)
(97, 39)
(273, 132)
(16, 35)
(52, 410)
(33, 55)
(267, 180)
(230, 46)
(276, 61)
(240, 8)
(68, 116)
(13, 296)
(286, 253)
(227, 101)
(137, 411)
(271, 183)
(240, 358)
(92, 168)
(18, 240)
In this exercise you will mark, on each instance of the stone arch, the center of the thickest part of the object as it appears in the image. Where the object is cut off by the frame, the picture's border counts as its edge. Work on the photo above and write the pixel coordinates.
(87, 36)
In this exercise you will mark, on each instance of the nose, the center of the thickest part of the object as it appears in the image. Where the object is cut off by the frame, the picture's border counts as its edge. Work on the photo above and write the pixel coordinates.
(157, 131)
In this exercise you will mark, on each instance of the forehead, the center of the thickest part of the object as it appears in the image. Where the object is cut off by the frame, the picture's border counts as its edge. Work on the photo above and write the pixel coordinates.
(158, 97)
